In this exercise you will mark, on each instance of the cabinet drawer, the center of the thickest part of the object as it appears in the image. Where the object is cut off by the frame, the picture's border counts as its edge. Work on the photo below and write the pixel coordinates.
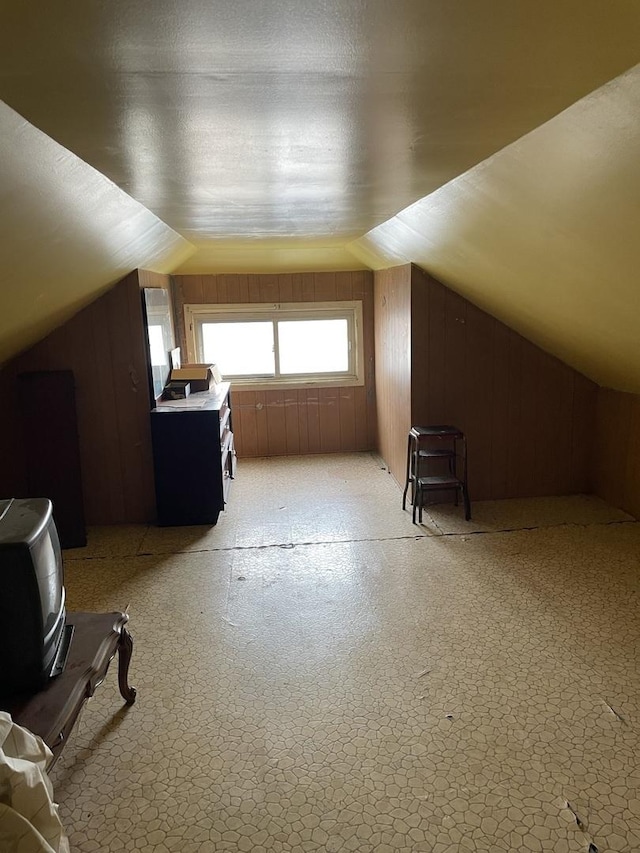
(228, 465)
(225, 415)
(226, 447)
(224, 439)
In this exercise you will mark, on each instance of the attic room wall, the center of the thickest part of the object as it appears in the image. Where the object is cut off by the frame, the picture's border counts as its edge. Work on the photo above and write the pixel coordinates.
(392, 290)
(617, 450)
(529, 419)
(291, 422)
(105, 347)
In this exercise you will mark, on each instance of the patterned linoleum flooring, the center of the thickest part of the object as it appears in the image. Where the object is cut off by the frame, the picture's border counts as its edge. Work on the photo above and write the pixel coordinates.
(317, 673)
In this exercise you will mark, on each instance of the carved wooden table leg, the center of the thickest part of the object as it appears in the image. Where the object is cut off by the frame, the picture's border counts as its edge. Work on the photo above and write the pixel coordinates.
(52, 712)
(125, 650)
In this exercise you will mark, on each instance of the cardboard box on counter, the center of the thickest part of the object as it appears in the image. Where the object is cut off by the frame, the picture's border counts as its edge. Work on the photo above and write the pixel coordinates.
(201, 377)
(176, 389)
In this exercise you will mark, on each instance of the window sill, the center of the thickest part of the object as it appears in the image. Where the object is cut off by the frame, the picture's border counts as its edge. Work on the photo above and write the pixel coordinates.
(295, 384)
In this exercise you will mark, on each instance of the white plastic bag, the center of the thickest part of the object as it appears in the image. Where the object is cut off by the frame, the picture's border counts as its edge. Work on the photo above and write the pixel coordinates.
(29, 821)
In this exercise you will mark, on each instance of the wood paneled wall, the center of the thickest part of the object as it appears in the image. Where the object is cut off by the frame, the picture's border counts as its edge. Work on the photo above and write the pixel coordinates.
(393, 365)
(104, 345)
(616, 457)
(148, 278)
(290, 422)
(529, 419)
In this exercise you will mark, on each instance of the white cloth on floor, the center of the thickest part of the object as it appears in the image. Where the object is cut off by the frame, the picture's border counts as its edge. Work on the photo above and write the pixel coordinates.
(29, 821)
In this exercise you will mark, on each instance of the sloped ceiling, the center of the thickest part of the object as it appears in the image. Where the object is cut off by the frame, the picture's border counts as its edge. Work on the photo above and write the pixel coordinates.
(67, 233)
(274, 135)
(544, 235)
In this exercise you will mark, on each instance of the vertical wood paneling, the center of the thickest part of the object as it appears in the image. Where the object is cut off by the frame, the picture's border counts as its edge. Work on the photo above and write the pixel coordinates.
(222, 284)
(308, 287)
(139, 452)
(547, 460)
(313, 420)
(308, 420)
(631, 494)
(296, 287)
(364, 419)
(526, 415)
(347, 419)
(192, 288)
(276, 424)
(210, 289)
(616, 449)
(514, 415)
(455, 353)
(302, 415)
(329, 415)
(435, 373)
(583, 433)
(148, 278)
(253, 286)
(262, 426)
(553, 445)
(245, 420)
(478, 388)
(92, 370)
(367, 430)
(344, 287)
(238, 289)
(499, 423)
(419, 361)
(291, 422)
(237, 415)
(324, 286)
(53, 461)
(13, 471)
(269, 288)
(285, 288)
(104, 345)
(129, 374)
(102, 434)
(529, 400)
(393, 369)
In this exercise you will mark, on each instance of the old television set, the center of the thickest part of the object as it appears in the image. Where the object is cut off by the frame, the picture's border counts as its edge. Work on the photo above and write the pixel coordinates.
(34, 638)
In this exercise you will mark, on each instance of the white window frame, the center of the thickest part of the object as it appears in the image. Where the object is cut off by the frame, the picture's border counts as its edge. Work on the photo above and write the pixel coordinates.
(197, 314)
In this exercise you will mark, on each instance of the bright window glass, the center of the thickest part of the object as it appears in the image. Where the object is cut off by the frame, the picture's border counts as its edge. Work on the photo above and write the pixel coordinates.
(267, 345)
(313, 346)
(240, 349)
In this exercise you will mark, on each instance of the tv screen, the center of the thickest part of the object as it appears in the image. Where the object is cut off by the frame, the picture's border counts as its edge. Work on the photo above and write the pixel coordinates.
(32, 597)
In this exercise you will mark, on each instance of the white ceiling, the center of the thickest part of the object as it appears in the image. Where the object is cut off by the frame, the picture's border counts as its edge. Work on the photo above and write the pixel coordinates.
(294, 119)
(274, 135)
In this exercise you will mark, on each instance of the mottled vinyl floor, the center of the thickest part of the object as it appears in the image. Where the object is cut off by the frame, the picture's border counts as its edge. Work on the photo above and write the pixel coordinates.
(315, 673)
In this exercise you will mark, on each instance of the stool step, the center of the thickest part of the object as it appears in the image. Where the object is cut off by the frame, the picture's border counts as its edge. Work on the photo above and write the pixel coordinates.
(443, 482)
(440, 431)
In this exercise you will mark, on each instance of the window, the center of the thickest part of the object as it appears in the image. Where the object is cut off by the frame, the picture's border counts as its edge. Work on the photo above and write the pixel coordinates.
(267, 345)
